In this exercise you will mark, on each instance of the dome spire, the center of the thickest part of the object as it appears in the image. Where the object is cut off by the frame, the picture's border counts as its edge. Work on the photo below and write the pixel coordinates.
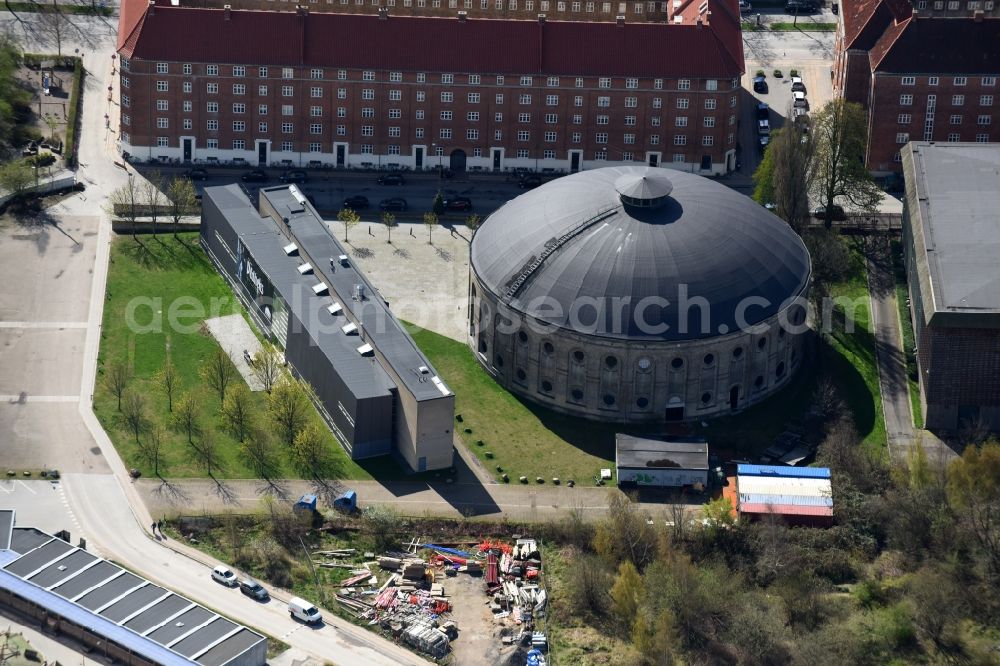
(645, 188)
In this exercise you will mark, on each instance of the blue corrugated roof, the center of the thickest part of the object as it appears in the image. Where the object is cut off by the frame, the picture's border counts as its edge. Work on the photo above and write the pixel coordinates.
(95, 623)
(789, 472)
(797, 500)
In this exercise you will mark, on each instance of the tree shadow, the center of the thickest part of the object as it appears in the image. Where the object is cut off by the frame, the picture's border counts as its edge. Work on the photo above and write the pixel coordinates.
(443, 254)
(171, 493)
(401, 252)
(362, 252)
(274, 488)
(224, 491)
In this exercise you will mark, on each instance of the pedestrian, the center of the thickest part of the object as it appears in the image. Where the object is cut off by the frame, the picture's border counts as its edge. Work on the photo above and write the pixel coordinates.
(370, 230)
(153, 528)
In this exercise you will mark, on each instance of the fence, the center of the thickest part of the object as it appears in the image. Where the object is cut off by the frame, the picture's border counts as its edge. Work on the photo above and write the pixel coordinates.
(46, 185)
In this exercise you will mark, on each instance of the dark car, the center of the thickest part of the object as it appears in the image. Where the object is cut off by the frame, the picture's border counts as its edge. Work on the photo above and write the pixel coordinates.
(255, 176)
(799, 7)
(294, 176)
(390, 179)
(838, 212)
(197, 173)
(760, 85)
(458, 203)
(763, 111)
(356, 202)
(528, 182)
(253, 589)
(396, 203)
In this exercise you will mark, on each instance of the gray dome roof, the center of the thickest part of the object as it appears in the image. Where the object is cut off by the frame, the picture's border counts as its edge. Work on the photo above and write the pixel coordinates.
(571, 254)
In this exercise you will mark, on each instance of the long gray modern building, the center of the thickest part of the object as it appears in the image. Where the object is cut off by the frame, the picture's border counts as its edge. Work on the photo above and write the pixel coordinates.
(112, 611)
(375, 388)
(951, 239)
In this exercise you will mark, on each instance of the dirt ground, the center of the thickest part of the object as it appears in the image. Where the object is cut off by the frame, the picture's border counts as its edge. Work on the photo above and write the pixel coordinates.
(478, 641)
(49, 111)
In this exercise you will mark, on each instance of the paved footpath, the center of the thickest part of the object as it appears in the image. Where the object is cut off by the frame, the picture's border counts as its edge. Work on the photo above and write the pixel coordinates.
(893, 382)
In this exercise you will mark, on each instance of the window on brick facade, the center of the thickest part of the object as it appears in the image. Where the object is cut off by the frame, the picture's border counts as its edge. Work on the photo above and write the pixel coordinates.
(239, 144)
(498, 135)
(631, 102)
(162, 123)
(287, 72)
(447, 79)
(316, 92)
(680, 139)
(472, 134)
(603, 101)
(367, 149)
(955, 119)
(601, 137)
(239, 70)
(211, 144)
(628, 157)
(628, 139)
(986, 100)
(161, 105)
(447, 97)
(212, 107)
(576, 137)
(287, 110)
(902, 137)
(212, 70)
(188, 124)
(525, 80)
(473, 98)
(523, 135)
(419, 114)
(187, 69)
(909, 80)
(446, 115)
(287, 91)
(472, 116)
(393, 149)
(124, 64)
(654, 121)
(711, 103)
(316, 111)
(523, 153)
(708, 121)
(604, 82)
(961, 80)
(550, 137)
(187, 86)
(262, 109)
(524, 100)
(982, 138)
(524, 117)
(552, 82)
(212, 125)
(954, 137)
(551, 118)
(905, 100)
(445, 133)
(684, 84)
(395, 114)
(989, 81)
(932, 80)
(262, 72)
(708, 140)
(239, 126)
(474, 79)
(315, 73)
(683, 102)
(262, 128)
(239, 107)
(957, 100)
(551, 100)
(498, 117)
(368, 93)
(603, 120)
(315, 128)
(680, 121)
(287, 128)
(601, 155)
(984, 120)
(904, 119)
(341, 130)
(287, 146)
(549, 154)
(187, 106)
(632, 83)
(578, 100)
(162, 86)
(711, 84)
(162, 141)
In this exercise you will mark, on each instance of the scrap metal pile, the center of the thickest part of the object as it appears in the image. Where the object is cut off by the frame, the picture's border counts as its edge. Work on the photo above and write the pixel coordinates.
(517, 599)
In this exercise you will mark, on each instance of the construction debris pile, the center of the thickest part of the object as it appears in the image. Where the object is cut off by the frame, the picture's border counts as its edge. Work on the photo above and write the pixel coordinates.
(517, 599)
(411, 603)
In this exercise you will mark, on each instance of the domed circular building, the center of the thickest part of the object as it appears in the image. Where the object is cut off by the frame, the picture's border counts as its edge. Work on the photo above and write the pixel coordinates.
(638, 294)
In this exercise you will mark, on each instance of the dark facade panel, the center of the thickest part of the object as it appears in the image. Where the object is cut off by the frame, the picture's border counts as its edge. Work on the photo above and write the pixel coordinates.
(180, 625)
(132, 602)
(93, 576)
(234, 645)
(157, 614)
(38, 558)
(204, 637)
(112, 590)
(24, 539)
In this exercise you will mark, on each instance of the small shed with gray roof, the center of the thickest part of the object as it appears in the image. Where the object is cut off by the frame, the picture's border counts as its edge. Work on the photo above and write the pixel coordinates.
(663, 463)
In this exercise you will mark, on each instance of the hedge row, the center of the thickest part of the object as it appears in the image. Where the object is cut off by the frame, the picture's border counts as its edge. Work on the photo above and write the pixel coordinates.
(74, 108)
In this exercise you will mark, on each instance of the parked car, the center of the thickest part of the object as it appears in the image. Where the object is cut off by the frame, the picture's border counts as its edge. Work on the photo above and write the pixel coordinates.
(294, 176)
(763, 111)
(763, 127)
(300, 609)
(799, 100)
(253, 589)
(223, 574)
(458, 203)
(197, 173)
(745, 7)
(800, 7)
(255, 176)
(763, 140)
(357, 202)
(798, 85)
(760, 84)
(838, 212)
(395, 203)
(528, 182)
(390, 179)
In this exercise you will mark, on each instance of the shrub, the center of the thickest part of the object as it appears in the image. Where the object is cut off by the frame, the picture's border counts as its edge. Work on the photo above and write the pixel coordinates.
(74, 106)
(760, 72)
(793, 72)
(778, 75)
(42, 160)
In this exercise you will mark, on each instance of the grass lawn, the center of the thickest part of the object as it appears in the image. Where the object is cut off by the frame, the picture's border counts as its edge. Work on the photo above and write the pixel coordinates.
(149, 278)
(849, 358)
(906, 324)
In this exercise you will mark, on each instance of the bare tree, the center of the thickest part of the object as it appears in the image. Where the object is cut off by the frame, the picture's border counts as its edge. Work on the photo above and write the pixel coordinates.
(55, 24)
(840, 132)
(116, 377)
(237, 411)
(205, 451)
(430, 221)
(187, 417)
(134, 412)
(472, 222)
(262, 454)
(152, 450)
(181, 200)
(152, 197)
(350, 220)
(288, 408)
(267, 366)
(792, 151)
(218, 372)
(389, 220)
(124, 202)
(169, 381)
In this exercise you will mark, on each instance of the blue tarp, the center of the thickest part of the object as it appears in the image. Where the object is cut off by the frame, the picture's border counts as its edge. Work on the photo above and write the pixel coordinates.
(450, 551)
(534, 658)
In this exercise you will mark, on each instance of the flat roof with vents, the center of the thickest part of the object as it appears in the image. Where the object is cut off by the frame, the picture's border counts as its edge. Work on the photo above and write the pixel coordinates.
(122, 608)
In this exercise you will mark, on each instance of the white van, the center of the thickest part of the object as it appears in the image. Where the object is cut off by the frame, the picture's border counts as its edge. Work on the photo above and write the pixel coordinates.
(301, 609)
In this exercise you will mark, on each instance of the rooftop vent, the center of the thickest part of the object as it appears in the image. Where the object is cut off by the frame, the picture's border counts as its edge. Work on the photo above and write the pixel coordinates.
(320, 289)
(620, 20)
(359, 292)
(349, 329)
(462, 16)
(366, 350)
(305, 269)
(334, 308)
(291, 249)
(647, 188)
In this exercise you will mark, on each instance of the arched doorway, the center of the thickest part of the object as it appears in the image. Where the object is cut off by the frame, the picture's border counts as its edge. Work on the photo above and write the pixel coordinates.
(674, 410)
(734, 397)
(457, 161)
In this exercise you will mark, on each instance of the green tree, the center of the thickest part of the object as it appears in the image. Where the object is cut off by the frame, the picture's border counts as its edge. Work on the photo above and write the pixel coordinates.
(152, 197)
(14, 98)
(626, 595)
(472, 222)
(719, 513)
(437, 206)
(267, 366)
(974, 494)
(135, 413)
(237, 411)
(840, 133)
(430, 221)
(624, 534)
(186, 419)
(16, 177)
(791, 148)
(205, 451)
(218, 372)
(389, 220)
(763, 180)
(116, 378)
(262, 454)
(181, 200)
(655, 637)
(350, 220)
(311, 452)
(170, 381)
(289, 409)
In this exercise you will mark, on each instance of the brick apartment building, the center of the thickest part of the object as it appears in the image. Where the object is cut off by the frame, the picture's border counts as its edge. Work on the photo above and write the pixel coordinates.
(492, 86)
(924, 71)
(950, 242)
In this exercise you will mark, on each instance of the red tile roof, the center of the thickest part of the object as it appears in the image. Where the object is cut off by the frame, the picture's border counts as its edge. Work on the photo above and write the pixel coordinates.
(432, 43)
(930, 46)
